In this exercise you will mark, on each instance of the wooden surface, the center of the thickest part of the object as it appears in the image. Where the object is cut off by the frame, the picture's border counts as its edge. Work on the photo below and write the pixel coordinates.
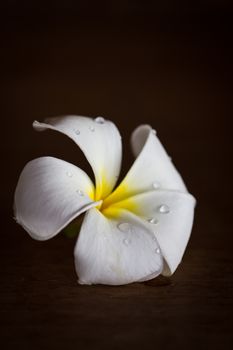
(173, 71)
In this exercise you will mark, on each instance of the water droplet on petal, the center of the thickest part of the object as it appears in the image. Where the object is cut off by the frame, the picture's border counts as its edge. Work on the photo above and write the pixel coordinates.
(77, 132)
(80, 193)
(164, 209)
(99, 120)
(126, 241)
(153, 131)
(155, 185)
(92, 128)
(153, 221)
(124, 227)
(157, 251)
(69, 174)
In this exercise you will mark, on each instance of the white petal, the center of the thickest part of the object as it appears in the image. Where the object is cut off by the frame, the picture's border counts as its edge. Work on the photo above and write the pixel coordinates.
(50, 193)
(169, 214)
(116, 251)
(154, 160)
(152, 168)
(99, 140)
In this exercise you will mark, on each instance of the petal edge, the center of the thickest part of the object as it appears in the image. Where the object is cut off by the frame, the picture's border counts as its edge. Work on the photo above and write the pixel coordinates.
(50, 193)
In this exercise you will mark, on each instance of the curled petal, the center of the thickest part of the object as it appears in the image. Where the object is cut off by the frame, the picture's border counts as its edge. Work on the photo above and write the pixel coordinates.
(116, 249)
(159, 171)
(51, 193)
(100, 142)
(152, 169)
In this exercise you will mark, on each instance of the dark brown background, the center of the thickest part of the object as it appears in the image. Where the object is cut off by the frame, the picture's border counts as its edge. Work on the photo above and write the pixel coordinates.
(169, 65)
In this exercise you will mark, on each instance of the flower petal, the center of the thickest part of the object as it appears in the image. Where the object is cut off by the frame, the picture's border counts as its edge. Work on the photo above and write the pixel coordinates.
(100, 142)
(152, 168)
(50, 193)
(152, 154)
(169, 214)
(116, 250)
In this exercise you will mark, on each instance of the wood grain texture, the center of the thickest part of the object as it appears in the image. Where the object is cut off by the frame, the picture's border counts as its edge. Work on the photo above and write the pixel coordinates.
(175, 75)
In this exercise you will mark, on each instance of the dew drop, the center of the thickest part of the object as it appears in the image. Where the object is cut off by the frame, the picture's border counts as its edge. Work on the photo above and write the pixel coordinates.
(80, 193)
(99, 120)
(92, 128)
(69, 174)
(157, 251)
(77, 132)
(164, 209)
(155, 185)
(126, 241)
(124, 227)
(153, 221)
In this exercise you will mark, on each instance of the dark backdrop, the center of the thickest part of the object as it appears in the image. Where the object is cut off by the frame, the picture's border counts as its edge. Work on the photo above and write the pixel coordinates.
(168, 64)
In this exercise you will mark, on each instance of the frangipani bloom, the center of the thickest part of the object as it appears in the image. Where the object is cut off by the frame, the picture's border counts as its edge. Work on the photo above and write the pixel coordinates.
(132, 233)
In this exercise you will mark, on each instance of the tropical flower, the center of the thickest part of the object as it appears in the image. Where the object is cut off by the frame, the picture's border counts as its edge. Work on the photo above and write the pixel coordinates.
(131, 233)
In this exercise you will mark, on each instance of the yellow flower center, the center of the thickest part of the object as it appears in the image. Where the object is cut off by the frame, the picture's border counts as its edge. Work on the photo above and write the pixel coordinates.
(120, 198)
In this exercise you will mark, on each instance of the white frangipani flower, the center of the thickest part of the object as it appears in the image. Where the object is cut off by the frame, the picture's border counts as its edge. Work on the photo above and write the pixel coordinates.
(129, 234)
